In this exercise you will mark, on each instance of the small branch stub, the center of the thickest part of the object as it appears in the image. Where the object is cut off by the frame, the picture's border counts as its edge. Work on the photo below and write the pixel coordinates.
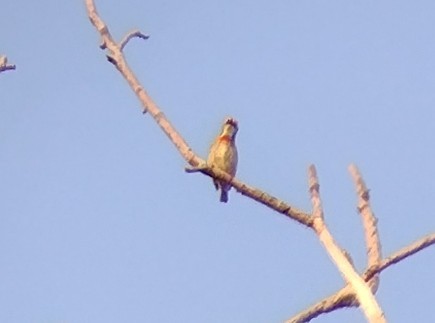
(130, 35)
(201, 168)
(4, 66)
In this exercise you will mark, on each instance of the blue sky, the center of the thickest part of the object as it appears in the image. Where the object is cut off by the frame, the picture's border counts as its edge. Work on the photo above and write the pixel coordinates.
(99, 222)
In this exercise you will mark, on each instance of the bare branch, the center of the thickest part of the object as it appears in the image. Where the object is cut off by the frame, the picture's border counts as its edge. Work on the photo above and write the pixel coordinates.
(4, 66)
(255, 194)
(369, 220)
(116, 57)
(363, 294)
(400, 255)
(345, 296)
(314, 188)
(130, 35)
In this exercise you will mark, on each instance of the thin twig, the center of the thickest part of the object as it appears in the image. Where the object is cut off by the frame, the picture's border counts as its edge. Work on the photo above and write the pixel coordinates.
(373, 244)
(130, 35)
(314, 188)
(345, 297)
(403, 253)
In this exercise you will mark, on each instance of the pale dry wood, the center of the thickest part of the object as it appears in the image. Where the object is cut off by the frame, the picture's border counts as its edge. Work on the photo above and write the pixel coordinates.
(345, 296)
(363, 293)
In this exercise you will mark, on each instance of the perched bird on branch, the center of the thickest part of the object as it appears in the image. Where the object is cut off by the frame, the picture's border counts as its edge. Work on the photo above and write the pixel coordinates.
(223, 154)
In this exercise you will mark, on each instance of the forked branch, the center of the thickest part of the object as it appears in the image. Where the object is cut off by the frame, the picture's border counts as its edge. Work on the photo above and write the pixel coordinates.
(345, 296)
(363, 294)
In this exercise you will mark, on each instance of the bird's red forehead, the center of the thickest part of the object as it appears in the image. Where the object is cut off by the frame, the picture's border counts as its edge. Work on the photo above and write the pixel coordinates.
(232, 122)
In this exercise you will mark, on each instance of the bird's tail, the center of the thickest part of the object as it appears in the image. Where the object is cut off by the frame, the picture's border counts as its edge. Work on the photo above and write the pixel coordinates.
(224, 196)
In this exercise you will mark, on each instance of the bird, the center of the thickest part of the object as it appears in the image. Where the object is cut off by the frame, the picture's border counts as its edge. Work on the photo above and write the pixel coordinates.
(223, 155)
